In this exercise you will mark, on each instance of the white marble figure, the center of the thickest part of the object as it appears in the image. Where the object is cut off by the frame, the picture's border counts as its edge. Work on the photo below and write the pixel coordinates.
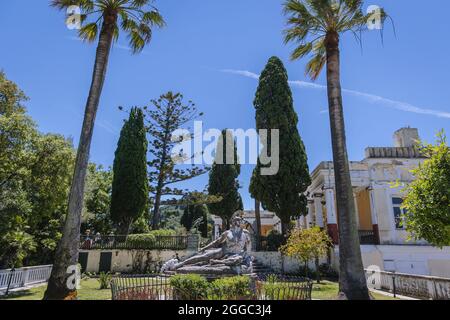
(227, 254)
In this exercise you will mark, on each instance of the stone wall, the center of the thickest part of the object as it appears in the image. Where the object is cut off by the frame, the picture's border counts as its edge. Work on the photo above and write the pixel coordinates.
(280, 263)
(408, 259)
(143, 261)
(419, 260)
(132, 261)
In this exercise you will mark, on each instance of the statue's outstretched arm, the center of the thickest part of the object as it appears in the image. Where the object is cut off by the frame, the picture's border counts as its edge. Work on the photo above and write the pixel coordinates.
(216, 242)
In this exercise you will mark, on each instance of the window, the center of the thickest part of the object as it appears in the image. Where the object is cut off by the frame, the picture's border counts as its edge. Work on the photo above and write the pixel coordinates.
(399, 213)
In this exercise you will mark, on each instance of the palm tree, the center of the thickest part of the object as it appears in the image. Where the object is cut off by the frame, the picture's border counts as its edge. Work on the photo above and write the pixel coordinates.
(102, 19)
(316, 26)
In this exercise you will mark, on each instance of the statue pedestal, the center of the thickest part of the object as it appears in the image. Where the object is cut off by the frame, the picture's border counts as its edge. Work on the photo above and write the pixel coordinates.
(210, 270)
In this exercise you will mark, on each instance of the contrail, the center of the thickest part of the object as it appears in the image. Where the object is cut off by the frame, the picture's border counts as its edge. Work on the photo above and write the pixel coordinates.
(115, 45)
(393, 104)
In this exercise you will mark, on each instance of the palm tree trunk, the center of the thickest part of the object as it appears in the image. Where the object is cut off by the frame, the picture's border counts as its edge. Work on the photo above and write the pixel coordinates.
(68, 248)
(352, 281)
(258, 223)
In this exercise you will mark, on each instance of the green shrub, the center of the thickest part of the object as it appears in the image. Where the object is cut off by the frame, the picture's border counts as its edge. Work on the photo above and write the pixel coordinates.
(232, 288)
(163, 233)
(104, 280)
(158, 239)
(275, 240)
(190, 287)
(141, 240)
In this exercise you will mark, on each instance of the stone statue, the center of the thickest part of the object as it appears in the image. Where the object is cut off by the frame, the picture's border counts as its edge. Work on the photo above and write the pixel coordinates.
(226, 255)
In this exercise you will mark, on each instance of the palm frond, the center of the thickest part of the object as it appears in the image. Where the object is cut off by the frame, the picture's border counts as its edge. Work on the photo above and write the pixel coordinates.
(310, 21)
(136, 18)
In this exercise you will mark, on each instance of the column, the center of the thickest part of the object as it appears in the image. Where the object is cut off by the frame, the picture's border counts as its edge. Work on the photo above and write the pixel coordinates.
(374, 215)
(309, 216)
(332, 226)
(318, 209)
(355, 201)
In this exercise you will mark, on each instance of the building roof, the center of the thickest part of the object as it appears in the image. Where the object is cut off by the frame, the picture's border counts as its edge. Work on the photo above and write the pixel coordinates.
(394, 152)
(404, 149)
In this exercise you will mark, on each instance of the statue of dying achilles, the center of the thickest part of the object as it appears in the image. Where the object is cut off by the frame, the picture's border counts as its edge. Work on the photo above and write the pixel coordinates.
(226, 255)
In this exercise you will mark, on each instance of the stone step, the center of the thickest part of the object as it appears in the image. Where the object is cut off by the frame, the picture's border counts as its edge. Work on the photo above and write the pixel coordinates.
(260, 268)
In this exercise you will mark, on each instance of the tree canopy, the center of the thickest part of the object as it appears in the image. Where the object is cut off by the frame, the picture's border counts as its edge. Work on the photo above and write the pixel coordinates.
(427, 202)
(282, 193)
(97, 200)
(135, 18)
(196, 216)
(306, 244)
(130, 181)
(35, 175)
(223, 179)
(168, 114)
(311, 24)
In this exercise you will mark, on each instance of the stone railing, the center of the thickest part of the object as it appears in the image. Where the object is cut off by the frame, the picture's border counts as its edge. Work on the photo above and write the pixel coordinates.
(424, 287)
(116, 242)
(23, 277)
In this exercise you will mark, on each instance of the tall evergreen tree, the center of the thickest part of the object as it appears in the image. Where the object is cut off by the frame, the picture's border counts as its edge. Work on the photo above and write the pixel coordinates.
(130, 182)
(196, 216)
(223, 179)
(282, 193)
(168, 114)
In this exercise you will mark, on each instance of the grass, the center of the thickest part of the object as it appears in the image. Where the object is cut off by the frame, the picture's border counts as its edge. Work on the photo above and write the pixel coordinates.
(326, 290)
(89, 291)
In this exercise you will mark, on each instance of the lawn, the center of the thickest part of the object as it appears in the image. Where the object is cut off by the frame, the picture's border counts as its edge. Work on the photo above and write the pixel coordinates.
(90, 291)
(327, 290)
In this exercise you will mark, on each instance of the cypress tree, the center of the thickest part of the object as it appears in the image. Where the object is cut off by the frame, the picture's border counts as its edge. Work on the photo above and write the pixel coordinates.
(196, 216)
(130, 182)
(223, 180)
(282, 193)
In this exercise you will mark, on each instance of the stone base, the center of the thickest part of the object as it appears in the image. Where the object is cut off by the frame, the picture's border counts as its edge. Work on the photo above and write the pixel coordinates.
(214, 270)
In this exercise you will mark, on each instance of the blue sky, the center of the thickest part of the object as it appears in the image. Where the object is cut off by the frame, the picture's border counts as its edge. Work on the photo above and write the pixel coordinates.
(387, 86)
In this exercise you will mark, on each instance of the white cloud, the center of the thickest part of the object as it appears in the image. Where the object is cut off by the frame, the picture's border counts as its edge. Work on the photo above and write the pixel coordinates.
(393, 104)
